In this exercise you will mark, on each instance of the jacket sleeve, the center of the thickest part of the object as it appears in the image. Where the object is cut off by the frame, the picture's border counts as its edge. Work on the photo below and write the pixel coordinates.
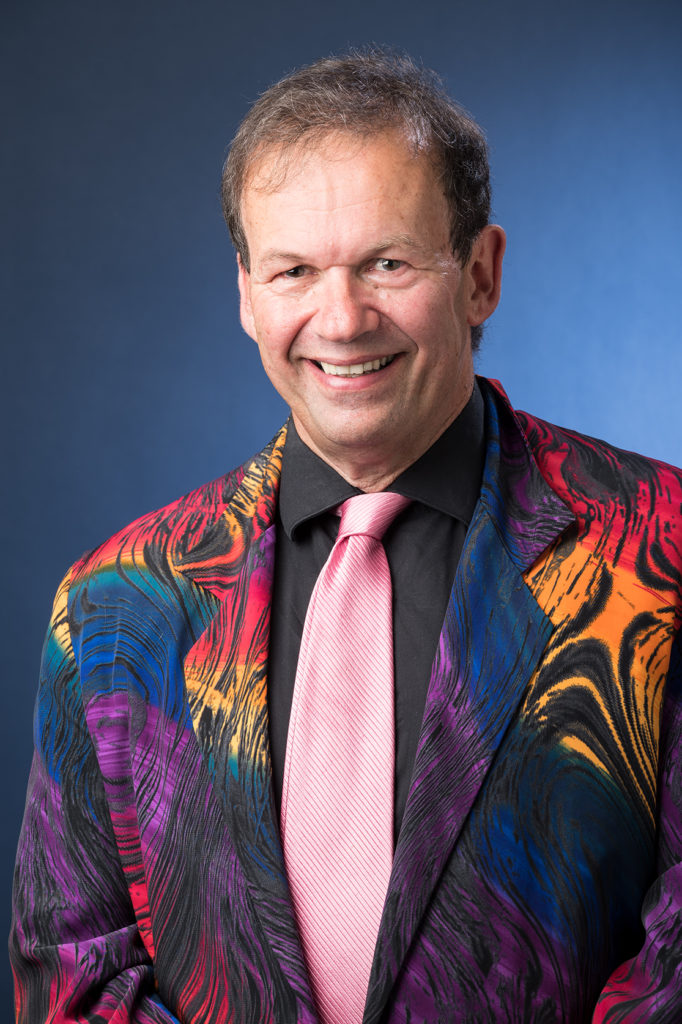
(76, 951)
(649, 987)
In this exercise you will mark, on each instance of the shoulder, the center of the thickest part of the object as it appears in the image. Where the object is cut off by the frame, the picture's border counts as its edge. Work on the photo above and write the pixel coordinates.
(584, 469)
(166, 536)
(170, 530)
(628, 507)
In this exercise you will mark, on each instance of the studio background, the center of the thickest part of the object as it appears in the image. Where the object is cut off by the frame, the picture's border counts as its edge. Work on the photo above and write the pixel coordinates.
(127, 380)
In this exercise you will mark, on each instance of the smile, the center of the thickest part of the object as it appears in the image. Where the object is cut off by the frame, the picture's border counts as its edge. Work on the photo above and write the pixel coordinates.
(356, 369)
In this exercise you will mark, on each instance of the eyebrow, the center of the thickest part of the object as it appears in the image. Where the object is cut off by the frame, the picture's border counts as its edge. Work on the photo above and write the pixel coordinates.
(275, 256)
(404, 240)
(295, 259)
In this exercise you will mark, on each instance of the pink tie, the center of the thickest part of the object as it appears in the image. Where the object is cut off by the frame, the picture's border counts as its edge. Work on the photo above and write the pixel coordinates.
(337, 799)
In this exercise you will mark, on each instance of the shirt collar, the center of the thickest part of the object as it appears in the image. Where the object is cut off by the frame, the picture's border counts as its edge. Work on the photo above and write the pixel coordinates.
(447, 477)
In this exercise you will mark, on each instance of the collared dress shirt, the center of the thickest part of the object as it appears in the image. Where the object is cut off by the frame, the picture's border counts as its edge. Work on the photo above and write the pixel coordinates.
(423, 547)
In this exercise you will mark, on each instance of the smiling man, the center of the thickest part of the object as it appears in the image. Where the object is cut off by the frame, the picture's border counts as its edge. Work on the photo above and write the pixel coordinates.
(359, 305)
(386, 724)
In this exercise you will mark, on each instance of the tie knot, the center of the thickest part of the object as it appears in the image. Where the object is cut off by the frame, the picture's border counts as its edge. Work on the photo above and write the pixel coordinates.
(370, 514)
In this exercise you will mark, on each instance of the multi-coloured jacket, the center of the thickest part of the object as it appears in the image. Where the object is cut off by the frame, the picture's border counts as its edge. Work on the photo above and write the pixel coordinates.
(537, 876)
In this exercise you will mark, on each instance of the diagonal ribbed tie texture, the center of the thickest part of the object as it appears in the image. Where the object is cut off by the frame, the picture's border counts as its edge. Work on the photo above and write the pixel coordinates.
(337, 798)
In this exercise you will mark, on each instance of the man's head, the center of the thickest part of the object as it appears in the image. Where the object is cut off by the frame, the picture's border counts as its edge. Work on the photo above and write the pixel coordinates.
(364, 93)
(360, 301)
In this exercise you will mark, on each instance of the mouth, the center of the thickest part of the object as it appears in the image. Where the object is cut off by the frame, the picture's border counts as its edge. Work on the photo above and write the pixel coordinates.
(356, 369)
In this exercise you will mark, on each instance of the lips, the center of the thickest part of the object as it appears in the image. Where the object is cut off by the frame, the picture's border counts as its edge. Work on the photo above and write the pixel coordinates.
(356, 369)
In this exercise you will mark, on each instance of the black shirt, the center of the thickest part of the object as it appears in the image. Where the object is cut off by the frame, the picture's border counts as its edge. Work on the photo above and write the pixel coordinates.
(422, 545)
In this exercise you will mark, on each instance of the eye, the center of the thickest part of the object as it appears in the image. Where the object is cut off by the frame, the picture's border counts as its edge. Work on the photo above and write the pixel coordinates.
(388, 264)
(294, 272)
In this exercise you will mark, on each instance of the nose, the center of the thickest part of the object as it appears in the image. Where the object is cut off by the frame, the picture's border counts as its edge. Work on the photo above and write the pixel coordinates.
(345, 308)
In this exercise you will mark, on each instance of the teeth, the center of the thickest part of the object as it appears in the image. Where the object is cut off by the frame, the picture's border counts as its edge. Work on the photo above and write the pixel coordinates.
(356, 369)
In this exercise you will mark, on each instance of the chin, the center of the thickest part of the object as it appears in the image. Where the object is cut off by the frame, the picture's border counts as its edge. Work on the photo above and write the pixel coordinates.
(352, 436)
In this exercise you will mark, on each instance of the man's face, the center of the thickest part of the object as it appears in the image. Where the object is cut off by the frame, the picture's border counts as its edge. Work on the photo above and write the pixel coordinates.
(359, 308)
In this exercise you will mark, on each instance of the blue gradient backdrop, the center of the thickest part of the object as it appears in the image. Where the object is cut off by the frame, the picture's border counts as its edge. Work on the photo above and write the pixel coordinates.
(127, 379)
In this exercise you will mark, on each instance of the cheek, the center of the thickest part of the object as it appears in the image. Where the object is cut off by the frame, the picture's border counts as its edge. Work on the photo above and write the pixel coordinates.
(277, 325)
(273, 354)
(431, 323)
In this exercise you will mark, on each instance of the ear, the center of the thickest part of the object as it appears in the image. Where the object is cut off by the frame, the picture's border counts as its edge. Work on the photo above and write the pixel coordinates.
(245, 310)
(485, 274)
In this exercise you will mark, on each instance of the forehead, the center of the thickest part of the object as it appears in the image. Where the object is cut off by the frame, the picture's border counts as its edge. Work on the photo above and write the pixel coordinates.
(342, 175)
(271, 164)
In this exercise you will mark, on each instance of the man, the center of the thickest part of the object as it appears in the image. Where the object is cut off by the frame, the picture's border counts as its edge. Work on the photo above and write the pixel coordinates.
(537, 598)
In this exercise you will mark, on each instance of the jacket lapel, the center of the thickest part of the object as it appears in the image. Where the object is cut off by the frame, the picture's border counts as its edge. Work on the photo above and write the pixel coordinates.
(225, 679)
(492, 638)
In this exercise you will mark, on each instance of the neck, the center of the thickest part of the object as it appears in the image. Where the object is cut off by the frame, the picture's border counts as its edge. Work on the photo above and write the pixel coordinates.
(374, 467)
